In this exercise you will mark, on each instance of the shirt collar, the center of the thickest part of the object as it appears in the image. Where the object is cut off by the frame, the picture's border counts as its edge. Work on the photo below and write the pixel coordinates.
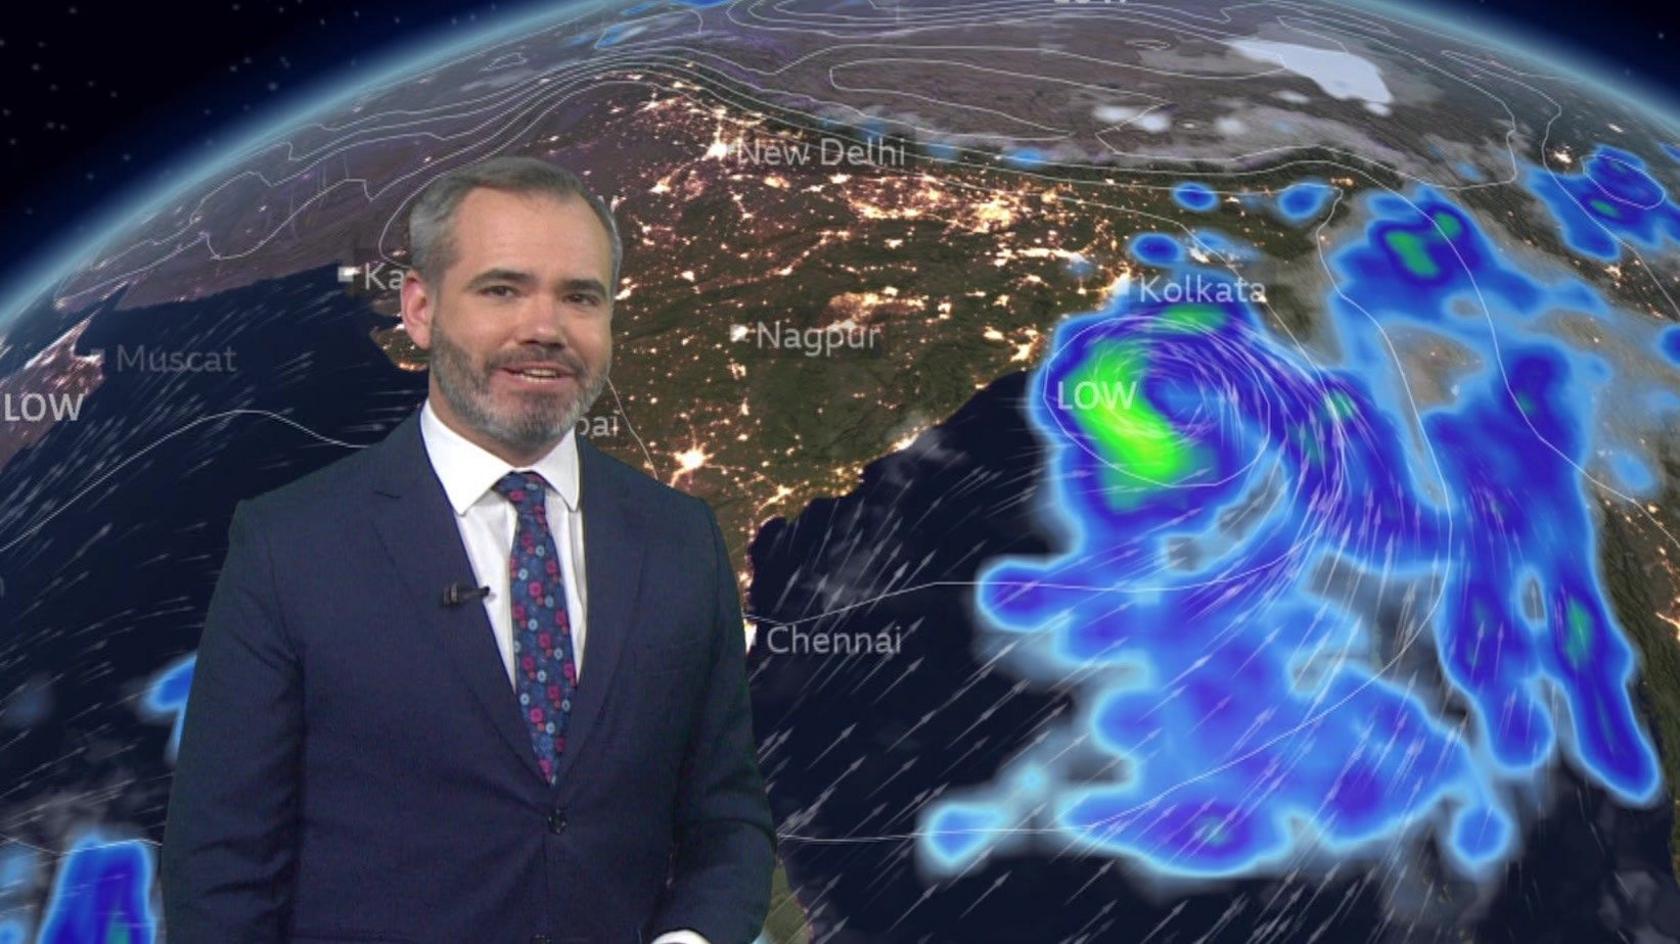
(467, 469)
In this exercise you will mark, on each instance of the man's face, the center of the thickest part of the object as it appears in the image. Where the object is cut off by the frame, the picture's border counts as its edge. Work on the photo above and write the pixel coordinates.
(527, 292)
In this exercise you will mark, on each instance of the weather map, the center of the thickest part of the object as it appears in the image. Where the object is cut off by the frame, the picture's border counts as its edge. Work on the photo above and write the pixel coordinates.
(1195, 472)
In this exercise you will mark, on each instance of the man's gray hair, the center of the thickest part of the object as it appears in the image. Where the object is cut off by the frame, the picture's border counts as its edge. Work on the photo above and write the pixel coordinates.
(431, 245)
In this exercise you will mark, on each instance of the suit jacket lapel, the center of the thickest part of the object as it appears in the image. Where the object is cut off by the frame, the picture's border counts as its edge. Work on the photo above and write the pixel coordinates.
(417, 526)
(614, 535)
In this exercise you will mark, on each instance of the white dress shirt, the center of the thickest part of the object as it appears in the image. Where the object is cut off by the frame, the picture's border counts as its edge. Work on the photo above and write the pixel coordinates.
(486, 521)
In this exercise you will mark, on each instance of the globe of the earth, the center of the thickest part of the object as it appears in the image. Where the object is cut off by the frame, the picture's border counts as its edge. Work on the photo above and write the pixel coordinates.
(1196, 472)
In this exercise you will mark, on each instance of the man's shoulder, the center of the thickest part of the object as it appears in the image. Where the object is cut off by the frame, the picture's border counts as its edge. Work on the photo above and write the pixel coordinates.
(643, 490)
(325, 493)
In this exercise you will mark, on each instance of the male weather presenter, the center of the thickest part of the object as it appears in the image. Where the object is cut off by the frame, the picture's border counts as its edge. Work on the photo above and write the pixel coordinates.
(375, 747)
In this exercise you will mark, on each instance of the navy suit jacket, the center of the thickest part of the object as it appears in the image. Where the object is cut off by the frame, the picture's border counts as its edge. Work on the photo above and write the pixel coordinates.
(353, 764)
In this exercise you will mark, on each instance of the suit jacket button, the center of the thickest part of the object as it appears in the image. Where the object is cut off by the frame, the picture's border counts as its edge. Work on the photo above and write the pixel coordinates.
(540, 939)
(557, 821)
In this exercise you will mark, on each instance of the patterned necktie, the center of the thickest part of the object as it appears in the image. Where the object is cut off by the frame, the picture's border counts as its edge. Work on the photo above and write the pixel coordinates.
(544, 673)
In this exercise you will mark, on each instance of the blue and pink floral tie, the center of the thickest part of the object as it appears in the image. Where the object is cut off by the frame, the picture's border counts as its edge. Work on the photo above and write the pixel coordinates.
(543, 671)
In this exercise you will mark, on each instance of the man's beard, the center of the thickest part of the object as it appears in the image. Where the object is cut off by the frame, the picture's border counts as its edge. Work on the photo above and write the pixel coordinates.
(536, 420)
